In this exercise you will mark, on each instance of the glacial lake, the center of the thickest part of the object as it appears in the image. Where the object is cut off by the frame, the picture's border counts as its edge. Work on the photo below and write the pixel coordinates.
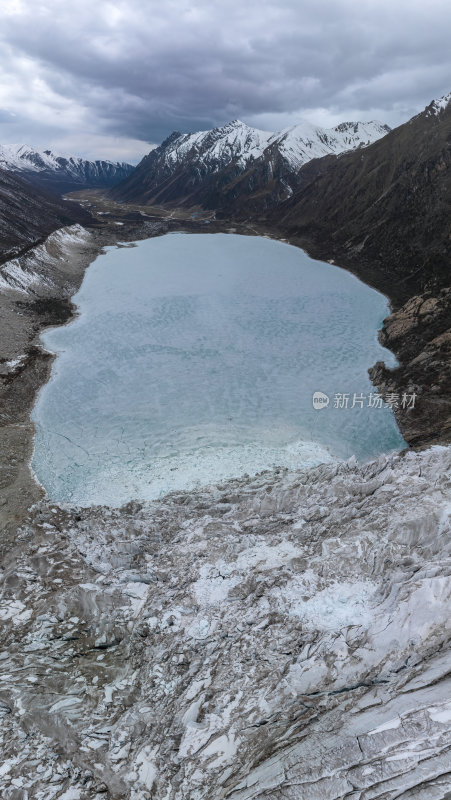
(194, 358)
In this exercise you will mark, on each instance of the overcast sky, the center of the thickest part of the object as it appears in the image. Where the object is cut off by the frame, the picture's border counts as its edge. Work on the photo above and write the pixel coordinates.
(107, 78)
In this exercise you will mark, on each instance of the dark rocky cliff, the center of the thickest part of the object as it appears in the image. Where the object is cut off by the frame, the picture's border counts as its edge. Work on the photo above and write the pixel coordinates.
(384, 212)
(27, 215)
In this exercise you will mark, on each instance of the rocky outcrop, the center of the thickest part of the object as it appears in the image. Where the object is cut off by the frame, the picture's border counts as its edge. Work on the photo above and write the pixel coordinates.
(419, 334)
(60, 174)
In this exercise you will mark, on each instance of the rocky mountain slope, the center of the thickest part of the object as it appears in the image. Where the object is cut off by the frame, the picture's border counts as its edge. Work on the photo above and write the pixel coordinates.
(385, 213)
(28, 215)
(200, 168)
(386, 210)
(59, 174)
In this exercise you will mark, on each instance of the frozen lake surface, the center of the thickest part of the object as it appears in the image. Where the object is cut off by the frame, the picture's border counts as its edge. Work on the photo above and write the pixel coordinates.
(194, 358)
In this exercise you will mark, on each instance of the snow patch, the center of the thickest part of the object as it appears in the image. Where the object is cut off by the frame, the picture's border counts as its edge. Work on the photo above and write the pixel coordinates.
(15, 362)
(391, 725)
(339, 605)
(440, 104)
(442, 714)
(27, 271)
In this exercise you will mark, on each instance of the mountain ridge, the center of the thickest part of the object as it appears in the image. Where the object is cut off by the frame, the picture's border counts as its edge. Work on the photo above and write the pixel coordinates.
(394, 204)
(59, 174)
(196, 168)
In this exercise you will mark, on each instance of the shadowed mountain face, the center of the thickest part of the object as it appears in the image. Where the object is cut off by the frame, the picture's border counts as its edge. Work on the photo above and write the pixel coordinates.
(27, 215)
(384, 212)
(224, 167)
(58, 174)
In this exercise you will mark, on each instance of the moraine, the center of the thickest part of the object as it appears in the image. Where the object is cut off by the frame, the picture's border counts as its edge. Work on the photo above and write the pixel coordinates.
(194, 359)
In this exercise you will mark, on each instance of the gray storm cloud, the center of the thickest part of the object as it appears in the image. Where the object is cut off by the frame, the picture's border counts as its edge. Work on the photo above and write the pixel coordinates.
(110, 77)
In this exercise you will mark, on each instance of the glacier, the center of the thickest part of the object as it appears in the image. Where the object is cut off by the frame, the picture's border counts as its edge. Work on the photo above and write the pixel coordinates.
(277, 637)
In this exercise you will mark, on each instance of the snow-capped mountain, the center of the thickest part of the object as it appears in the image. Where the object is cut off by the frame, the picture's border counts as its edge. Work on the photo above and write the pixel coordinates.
(216, 148)
(303, 142)
(240, 143)
(58, 173)
(388, 205)
(439, 105)
(194, 167)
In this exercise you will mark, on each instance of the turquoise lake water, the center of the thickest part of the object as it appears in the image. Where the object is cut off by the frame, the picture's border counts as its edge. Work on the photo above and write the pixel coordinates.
(194, 358)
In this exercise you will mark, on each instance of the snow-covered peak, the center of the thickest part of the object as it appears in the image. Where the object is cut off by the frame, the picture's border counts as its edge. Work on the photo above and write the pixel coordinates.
(240, 143)
(57, 173)
(219, 146)
(235, 123)
(22, 157)
(440, 104)
(363, 132)
(305, 141)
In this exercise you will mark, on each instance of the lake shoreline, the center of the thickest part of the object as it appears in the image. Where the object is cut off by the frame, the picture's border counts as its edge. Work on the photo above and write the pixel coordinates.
(126, 624)
(172, 400)
(20, 386)
(24, 316)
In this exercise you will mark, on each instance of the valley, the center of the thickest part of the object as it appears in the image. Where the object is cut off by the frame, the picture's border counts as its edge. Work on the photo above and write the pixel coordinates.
(275, 635)
(128, 623)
